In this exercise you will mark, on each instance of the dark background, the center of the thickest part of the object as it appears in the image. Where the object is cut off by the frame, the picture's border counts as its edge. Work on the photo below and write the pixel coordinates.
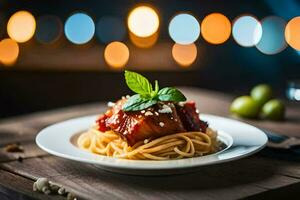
(227, 67)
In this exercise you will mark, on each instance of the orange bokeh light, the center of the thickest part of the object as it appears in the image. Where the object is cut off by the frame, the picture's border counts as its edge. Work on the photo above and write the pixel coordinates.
(143, 42)
(216, 28)
(9, 51)
(292, 33)
(21, 26)
(116, 54)
(184, 55)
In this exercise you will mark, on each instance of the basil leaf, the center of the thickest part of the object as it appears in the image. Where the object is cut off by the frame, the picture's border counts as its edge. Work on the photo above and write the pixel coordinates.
(154, 93)
(145, 105)
(170, 94)
(156, 87)
(135, 99)
(138, 83)
(137, 102)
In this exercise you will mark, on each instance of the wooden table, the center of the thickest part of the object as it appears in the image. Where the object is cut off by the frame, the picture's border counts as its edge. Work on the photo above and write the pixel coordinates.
(266, 174)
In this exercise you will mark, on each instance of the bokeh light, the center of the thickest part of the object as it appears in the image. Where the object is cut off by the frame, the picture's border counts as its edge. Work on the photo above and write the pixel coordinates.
(292, 33)
(143, 42)
(143, 21)
(116, 54)
(21, 26)
(79, 28)
(216, 28)
(9, 51)
(184, 55)
(247, 31)
(110, 29)
(49, 29)
(184, 29)
(272, 40)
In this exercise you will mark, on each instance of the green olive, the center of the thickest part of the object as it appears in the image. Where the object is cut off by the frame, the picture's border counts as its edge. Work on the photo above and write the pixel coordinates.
(245, 106)
(261, 93)
(273, 109)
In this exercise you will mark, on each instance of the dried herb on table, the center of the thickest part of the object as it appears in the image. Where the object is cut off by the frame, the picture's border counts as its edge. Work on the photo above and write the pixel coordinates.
(20, 159)
(14, 148)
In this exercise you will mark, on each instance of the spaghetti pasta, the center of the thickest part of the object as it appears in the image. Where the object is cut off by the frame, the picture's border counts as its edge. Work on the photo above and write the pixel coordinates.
(174, 146)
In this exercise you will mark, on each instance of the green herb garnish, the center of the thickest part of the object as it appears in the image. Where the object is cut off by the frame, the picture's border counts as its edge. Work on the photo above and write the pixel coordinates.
(146, 96)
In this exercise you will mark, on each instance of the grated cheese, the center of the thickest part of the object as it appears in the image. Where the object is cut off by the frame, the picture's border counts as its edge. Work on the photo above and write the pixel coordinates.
(165, 109)
(161, 124)
(111, 104)
(148, 113)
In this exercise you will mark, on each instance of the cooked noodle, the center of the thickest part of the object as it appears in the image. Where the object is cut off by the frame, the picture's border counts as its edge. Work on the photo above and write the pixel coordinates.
(175, 146)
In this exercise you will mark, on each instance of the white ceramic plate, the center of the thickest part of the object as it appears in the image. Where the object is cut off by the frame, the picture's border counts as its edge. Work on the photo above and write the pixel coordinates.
(241, 140)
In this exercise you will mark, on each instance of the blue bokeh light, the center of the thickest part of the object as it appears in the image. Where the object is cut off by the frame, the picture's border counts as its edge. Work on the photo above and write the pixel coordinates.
(109, 29)
(79, 28)
(184, 29)
(247, 31)
(273, 39)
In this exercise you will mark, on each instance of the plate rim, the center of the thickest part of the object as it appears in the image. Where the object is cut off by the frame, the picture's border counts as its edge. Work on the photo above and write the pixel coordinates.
(123, 164)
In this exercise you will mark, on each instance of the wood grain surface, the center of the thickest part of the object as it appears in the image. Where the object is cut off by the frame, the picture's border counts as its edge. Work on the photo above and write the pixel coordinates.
(267, 173)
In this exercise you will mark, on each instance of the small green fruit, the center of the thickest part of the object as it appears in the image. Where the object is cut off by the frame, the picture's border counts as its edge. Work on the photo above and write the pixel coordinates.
(261, 93)
(273, 109)
(245, 106)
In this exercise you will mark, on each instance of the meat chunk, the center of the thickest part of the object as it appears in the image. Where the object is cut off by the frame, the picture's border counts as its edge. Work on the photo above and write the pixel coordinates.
(159, 120)
(162, 119)
(190, 117)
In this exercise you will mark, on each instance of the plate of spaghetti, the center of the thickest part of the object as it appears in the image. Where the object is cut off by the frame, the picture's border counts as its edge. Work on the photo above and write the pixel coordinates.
(154, 131)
